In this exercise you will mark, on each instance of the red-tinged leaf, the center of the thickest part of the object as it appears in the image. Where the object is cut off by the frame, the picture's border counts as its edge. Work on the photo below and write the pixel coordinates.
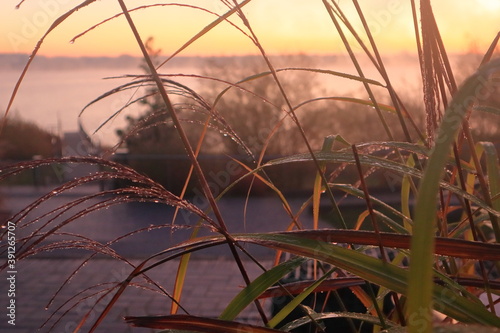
(196, 324)
(295, 288)
(444, 246)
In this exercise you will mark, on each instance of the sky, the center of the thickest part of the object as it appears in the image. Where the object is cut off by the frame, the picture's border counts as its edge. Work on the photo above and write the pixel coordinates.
(283, 26)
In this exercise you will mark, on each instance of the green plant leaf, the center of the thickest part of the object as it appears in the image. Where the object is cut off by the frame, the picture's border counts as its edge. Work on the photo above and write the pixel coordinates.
(366, 267)
(493, 171)
(258, 286)
(359, 193)
(318, 187)
(374, 161)
(297, 287)
(330, 315)
(420, 288)
(375, 271)
(295, 302)
(186, 323)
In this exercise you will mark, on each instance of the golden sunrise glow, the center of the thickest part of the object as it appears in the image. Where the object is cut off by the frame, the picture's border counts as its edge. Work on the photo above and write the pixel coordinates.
(282, 26)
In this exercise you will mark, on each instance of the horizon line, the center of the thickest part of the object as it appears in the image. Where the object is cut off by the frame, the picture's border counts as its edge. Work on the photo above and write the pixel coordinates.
(395, 53)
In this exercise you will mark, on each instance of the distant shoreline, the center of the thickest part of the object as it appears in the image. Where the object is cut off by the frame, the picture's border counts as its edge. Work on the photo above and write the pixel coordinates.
(17, 61)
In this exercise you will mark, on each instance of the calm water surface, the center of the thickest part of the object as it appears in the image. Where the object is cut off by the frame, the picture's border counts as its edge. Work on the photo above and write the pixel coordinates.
(54, 98)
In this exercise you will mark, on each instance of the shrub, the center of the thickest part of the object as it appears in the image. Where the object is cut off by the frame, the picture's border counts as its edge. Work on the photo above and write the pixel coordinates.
(21, 140)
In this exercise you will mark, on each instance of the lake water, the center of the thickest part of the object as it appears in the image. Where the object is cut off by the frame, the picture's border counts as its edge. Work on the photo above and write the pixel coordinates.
(54, 98)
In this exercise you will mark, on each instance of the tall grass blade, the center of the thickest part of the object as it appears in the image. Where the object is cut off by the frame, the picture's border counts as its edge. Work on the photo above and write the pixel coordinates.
(420, 288)
(333, 13)
(290, 306)
(316, 245)
(318, 186)
(374, 161)
(405, 195)
(383, 71)
(487, 108)
(205, 30)
(295, 288)
(187, 145)
(330, 315)
(184, 323)
(258, 286)
(54, 25)
(493, 171)
(375, 271)
(354, 100)
(491, 50)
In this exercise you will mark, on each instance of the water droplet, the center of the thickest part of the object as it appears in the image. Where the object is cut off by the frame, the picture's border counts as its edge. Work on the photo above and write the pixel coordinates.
(72, 41)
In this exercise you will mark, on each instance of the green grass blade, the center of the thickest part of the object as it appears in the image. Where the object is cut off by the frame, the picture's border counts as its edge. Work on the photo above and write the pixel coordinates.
(287, 309)
(493, 172)
(318, 187)
(180, 277)
(405, 195)
(329, 315)
(375, 271)
(373, 161)
(258, 286)
(181, 273)
(420, 285)
(189, 324)
(349, 189)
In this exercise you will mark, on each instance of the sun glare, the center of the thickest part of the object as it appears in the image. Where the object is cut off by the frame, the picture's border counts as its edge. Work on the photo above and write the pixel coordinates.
(284, 26)
(489, 4)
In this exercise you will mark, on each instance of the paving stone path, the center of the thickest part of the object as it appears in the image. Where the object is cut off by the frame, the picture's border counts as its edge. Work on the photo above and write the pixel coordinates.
(210, 286)
(213, 278)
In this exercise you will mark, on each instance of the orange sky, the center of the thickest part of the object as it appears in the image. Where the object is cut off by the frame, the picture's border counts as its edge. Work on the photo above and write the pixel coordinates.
(283, 26)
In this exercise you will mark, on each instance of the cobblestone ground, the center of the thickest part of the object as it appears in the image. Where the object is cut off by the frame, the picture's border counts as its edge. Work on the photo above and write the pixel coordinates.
(210, 285)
